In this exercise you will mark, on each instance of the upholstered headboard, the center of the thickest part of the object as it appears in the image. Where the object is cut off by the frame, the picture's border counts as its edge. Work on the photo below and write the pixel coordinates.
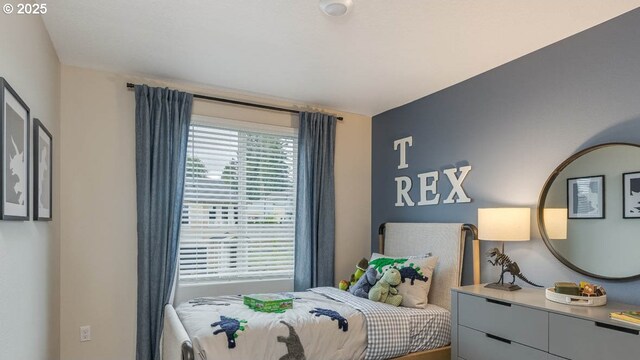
(444, 240)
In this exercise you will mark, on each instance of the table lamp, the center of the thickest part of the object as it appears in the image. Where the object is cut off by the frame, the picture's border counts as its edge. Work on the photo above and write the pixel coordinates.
(555, 223)
(504, 224)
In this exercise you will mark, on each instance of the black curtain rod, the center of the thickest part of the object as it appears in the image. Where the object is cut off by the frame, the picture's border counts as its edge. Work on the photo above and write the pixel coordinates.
(237, 102)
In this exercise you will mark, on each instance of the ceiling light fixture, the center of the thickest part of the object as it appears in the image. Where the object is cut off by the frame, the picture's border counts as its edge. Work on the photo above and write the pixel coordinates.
(335, 7)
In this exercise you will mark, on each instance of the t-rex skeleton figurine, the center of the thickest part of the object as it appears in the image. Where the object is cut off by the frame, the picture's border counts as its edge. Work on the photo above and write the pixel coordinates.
(507, 266)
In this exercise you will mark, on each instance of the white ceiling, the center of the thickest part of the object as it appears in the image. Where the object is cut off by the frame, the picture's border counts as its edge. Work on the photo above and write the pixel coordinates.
(381, 55)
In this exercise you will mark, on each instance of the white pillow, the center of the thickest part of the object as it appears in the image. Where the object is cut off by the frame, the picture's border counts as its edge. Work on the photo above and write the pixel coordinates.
(416, 272)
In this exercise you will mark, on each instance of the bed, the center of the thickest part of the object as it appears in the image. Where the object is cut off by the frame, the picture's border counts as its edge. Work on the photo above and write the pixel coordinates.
(326, 322)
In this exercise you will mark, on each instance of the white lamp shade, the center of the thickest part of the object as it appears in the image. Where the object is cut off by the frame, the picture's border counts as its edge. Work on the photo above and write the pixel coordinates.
(504, 224)
(555, 223)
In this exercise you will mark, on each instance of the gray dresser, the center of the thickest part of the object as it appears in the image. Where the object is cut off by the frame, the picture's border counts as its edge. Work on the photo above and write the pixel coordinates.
(489, 324)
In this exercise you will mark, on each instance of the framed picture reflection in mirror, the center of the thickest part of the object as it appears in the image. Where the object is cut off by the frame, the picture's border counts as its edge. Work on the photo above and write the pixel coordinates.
(585, 197)
(631, 195)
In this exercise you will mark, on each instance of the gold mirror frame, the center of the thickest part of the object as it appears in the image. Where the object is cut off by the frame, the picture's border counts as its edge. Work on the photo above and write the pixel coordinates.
(543, 198)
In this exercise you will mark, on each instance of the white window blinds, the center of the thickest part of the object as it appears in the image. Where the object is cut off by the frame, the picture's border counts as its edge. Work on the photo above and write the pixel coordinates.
(238, 215)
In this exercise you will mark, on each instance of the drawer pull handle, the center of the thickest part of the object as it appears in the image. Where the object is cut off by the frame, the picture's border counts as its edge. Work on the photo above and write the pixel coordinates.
(498, 338)
(617, 328)
(499, 302)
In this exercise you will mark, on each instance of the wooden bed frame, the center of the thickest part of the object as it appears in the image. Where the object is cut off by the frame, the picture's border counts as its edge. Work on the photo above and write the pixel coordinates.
(443, 353)
(177, 345)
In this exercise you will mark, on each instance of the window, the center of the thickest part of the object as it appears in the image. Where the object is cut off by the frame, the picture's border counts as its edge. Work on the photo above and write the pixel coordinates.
(239, 202)
(185, 215)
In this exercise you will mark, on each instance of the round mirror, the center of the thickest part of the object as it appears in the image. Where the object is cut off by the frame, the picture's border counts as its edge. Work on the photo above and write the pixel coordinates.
(589, 211)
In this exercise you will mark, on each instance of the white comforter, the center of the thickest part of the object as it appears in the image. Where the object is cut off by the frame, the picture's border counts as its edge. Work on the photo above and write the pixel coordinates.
(265, 336)
(363, 330)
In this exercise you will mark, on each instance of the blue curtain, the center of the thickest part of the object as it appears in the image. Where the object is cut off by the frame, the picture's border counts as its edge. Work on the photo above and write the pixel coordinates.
(163, 117)
(315, 210)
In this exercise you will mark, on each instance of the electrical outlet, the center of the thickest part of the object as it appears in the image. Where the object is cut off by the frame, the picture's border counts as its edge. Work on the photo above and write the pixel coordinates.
(85, 333)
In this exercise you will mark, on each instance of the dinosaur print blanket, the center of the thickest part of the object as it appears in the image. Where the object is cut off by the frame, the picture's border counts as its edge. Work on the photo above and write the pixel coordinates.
(325, 323)
(317, 327)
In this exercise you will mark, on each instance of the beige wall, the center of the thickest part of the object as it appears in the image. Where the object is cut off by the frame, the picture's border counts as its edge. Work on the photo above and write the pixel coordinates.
(29, 250)
(98, 231)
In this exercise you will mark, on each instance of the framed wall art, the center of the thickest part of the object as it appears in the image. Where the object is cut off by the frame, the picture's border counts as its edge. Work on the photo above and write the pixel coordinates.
(631, 195)
(585, 197)
(14, 121)
(42, 172)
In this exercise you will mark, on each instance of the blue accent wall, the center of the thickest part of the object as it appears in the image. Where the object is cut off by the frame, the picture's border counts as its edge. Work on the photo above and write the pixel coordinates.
(514, 125)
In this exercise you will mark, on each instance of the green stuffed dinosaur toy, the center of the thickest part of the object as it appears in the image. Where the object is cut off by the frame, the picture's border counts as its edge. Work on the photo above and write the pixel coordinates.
(384, 290)
(361, 268)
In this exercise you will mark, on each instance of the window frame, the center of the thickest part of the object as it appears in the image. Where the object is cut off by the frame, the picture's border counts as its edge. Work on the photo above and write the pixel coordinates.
(252, 127)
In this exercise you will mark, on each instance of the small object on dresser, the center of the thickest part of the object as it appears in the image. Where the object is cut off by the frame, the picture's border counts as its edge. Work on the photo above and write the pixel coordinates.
(505, 224)
(566, 288)
(600, 291)
(629, 317)
(576, 300)
(508, 266)
(571, 294)
(276, 303)
(588, 289)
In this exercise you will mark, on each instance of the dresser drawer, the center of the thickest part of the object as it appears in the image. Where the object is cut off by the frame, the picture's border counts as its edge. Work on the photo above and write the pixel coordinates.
(553, 357)
(517, 323)
(476, 345)
(580, 339)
